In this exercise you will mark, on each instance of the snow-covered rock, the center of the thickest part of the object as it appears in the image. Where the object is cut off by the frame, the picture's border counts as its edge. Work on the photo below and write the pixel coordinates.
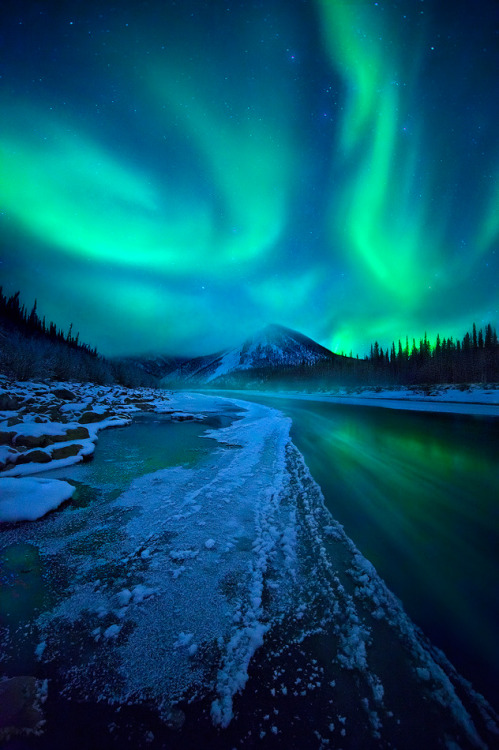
(29, 499)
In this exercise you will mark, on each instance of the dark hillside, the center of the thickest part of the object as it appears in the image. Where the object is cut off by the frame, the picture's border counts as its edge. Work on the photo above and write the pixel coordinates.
(32, 348)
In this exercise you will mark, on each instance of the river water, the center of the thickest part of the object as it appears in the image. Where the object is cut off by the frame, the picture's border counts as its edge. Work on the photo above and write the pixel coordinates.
(154, 441)
(418, 494)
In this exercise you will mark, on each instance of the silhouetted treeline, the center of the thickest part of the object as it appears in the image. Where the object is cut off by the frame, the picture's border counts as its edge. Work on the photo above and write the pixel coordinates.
(13, 312)
(473, 359)
(319, 376)
(32, 348)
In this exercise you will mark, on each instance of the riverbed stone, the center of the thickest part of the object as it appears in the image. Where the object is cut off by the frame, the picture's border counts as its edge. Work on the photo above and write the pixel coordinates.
(89, 417)
(6, 438)
(36, 456)
(7, 403)
(76, 433)
(66, 451)
(64, 393)
(140, 403)
(55, 414)
(36, 441)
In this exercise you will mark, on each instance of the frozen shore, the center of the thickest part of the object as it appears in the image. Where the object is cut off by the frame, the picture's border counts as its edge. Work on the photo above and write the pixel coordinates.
(228, 586)
(51, 425)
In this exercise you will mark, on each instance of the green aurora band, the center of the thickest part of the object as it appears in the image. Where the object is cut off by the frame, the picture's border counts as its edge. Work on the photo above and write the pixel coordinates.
(191, 174)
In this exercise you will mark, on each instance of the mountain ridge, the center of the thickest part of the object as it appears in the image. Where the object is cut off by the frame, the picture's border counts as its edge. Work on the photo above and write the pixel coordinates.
(271, 348)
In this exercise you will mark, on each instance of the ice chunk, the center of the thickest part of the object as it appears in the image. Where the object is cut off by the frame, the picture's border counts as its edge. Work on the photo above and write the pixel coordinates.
(183, 554)
(423, 673)
(40, 649)
(124, 597)
(112, 631)
(183, 639)
(141, 592)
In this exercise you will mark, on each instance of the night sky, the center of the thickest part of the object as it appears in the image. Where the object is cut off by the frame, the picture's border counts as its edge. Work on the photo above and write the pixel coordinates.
(176, 175)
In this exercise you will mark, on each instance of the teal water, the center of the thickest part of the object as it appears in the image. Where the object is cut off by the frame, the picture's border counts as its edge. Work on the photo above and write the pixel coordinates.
(150, 443)
(418, 493)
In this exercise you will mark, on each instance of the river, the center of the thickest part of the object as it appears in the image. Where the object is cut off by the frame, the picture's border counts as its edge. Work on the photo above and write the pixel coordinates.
(103, 588)
(418, 494)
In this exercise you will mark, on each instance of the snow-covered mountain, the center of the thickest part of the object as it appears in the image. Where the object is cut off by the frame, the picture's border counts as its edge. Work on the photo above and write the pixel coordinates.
(273, 347)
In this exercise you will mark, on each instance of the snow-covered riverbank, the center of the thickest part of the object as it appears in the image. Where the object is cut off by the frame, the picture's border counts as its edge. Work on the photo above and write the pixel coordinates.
(52, 425)
(228, 586)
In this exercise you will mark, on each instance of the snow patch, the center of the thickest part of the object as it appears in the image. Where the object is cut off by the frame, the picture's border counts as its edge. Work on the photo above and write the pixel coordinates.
(30, 499)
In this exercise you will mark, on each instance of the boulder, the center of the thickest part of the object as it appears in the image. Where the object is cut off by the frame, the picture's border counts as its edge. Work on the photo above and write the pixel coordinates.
(64, 393)
(89, 417)
(66, 451)
(7, 403)
(55, 414)
(6, 438)
(35, 456)
(76, 433)
(37, 441)
(138, 402)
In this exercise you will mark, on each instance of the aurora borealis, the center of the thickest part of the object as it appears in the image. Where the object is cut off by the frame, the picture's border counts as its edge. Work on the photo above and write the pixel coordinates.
(176, 175)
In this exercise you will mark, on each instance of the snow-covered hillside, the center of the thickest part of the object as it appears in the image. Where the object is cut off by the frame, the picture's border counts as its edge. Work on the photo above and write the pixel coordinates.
(274, 346)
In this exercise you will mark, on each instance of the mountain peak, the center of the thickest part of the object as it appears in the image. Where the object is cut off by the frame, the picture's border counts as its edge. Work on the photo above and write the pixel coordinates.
(290, 340)
(274, 330)
(272, 347)
(277, 328)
